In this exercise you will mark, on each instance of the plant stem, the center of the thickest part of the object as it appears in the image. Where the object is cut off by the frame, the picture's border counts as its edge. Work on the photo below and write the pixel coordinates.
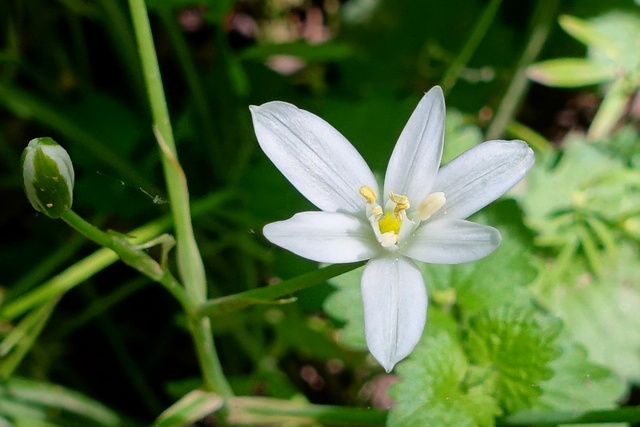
(264, 410)
(621, 415)
(224, 305)
(482, 25)
(100, 259)
(190, 263)
(542, 19)
(130, 255)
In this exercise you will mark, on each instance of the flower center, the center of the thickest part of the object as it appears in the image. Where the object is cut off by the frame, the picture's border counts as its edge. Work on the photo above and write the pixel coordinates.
(393, 224)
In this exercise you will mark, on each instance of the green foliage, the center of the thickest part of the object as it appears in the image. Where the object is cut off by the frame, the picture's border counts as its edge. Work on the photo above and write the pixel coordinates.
(547, 325)
(513, 349)
(29, 402)
(435, 388)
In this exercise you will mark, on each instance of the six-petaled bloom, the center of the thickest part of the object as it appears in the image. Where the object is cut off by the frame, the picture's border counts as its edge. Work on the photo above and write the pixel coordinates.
(419, 215)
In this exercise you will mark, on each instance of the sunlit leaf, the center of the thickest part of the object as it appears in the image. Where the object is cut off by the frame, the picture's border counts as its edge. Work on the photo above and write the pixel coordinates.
(570, 72)
(589, 34)
(24, 401)
(578, 384)
(602, 314)
(611, 110)
(189, 409)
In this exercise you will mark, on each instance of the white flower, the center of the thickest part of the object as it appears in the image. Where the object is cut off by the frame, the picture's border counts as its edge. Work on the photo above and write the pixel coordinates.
(419, 215)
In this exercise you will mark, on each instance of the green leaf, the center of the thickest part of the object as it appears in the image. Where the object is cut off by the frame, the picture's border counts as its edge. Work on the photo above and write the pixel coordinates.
(308, 52)
(24, 401)
(584, 182)
(578, 384)
(345, 305)
(190, 408)
(433, 392)
(602, 314)
(590, 35)
(570, 72)
(498, 279)
(514, 348)
(611, 109)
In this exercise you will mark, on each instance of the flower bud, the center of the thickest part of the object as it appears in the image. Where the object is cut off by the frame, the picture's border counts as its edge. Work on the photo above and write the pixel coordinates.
(48, 177)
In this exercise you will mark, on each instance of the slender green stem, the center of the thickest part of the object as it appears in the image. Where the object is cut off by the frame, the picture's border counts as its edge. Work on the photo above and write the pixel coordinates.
(264, 410)
(478, 33)
(548, 418)
(542, 18)
(224, 305)
(100, 259)
(20, 340)
(130, 255)
(189, 259)
(190, 262)
(191, 77)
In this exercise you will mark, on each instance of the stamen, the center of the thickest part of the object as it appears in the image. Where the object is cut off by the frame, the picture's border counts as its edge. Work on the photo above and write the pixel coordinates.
(368, 193)
(402, 203)
(388, 239)
(431, 205)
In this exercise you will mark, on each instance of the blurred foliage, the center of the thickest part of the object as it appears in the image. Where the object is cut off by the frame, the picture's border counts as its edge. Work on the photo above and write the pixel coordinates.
(549, 321)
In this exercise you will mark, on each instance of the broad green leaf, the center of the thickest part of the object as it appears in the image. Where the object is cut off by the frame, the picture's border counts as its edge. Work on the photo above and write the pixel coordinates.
(433, 389)
(570, 72)
(622, 31)
(189, 409)
(585, 181)
(345, 305)
(578, 384)
(513, 347)
(498, 279)
(602, 314)
(24, 401)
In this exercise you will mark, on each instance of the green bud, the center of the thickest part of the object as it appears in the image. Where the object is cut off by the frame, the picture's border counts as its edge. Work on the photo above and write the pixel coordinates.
(48, 177)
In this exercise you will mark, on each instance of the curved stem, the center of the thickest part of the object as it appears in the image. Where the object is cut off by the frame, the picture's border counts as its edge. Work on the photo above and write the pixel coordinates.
(269, 294)
(189, 259)
(542, 19)
(481, 28)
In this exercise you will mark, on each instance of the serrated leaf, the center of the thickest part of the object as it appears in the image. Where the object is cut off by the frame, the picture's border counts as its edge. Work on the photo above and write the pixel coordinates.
(585, 181)
(570, 72)
(578, 384)
(433, 392)
(602, 314)
(516, 346)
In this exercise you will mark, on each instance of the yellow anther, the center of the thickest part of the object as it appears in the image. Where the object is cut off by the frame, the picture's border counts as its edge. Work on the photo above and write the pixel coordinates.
(389, 223)
(368, 193)
(402, 203)
(377, 211)
(431, 205)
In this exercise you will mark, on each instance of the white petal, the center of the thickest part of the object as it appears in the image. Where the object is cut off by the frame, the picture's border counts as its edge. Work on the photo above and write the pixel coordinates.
(451, 241)
(395, 308)
(325, 237)
(315, 157)
(415, 159)
(480, 175)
